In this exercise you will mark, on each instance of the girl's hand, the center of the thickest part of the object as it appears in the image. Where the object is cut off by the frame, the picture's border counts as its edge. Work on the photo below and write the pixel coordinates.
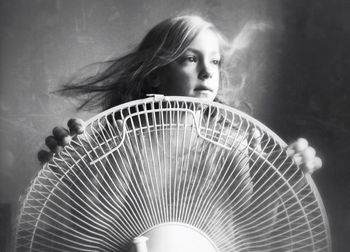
(61, 137)
(304, 155)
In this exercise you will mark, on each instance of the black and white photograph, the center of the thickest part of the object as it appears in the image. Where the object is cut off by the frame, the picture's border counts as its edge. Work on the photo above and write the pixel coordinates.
(187, 125)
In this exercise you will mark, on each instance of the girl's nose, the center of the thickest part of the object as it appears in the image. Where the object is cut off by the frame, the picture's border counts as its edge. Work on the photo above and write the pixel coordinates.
(205, 75)
(205, 72)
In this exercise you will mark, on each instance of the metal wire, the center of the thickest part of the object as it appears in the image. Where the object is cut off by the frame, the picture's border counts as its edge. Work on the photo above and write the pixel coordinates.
(173, 159)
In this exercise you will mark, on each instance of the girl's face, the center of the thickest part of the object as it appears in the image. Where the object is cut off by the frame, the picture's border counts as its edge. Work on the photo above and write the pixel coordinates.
(197, 72)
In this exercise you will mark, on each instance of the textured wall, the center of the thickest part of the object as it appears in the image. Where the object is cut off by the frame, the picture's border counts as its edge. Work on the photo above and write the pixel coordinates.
(296, 72)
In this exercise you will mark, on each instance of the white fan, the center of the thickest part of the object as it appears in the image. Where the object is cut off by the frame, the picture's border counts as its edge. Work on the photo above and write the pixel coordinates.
(173, 174)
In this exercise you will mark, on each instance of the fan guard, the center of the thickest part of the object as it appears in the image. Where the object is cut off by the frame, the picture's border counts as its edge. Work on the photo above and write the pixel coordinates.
(172, 160)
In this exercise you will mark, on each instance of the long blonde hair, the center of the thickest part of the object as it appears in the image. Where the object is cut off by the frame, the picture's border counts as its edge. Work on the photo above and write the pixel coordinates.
(128, 77)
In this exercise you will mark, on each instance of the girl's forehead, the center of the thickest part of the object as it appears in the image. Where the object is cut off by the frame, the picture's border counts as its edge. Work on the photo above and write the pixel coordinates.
(206, 40)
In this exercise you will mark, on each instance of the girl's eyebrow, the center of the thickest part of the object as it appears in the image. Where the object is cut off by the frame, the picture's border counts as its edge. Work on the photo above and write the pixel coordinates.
(200, 52)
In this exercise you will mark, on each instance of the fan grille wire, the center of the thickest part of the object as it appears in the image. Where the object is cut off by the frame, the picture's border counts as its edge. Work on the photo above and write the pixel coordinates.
(180, 160)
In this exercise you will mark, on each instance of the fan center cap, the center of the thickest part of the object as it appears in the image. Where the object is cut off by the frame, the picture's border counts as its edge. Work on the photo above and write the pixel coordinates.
(174, 237)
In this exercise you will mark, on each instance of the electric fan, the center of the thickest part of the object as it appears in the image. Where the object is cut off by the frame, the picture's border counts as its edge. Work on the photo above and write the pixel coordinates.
(173, 174)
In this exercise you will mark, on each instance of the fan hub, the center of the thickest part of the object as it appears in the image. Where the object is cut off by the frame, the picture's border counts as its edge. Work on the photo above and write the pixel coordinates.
(174, 237)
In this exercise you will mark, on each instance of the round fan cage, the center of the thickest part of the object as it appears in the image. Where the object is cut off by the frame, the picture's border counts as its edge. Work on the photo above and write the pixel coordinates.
(166, 162)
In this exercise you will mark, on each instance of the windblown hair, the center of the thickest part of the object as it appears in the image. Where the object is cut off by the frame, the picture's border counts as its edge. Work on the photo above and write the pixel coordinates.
(130, 77)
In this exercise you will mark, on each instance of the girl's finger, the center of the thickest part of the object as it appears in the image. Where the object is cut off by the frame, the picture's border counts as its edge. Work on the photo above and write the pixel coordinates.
(59, 133)
(297, 146)
(76, 126)
(255, 138)
(301, 144)
(308, 154)
(51, 142)
(312, 165)
(119, 126)
(66, 140)
(318, 163)
(62, 136)
(298, 159)
(44, 156)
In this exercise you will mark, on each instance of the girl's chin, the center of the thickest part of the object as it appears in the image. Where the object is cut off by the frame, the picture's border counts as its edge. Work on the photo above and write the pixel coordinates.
(205, 94)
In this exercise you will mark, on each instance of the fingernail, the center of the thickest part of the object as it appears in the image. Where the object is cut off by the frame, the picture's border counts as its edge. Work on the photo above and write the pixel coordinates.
(77, 129)
(66, 140)
(57, 149)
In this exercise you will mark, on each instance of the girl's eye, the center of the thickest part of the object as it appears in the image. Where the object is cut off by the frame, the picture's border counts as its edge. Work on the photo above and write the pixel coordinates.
(216, 62)
(191, 58)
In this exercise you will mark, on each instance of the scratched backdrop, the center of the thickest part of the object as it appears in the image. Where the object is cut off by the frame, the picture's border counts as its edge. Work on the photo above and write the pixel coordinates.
(294, 76)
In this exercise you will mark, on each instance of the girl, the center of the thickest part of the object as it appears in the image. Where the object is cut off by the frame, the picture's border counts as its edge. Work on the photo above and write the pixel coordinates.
(183, 56)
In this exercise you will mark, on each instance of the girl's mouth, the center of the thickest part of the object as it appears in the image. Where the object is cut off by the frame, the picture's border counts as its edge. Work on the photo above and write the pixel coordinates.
(203, 88)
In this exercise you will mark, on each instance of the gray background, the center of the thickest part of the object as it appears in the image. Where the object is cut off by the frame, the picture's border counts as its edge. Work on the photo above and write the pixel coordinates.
(297, 78)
